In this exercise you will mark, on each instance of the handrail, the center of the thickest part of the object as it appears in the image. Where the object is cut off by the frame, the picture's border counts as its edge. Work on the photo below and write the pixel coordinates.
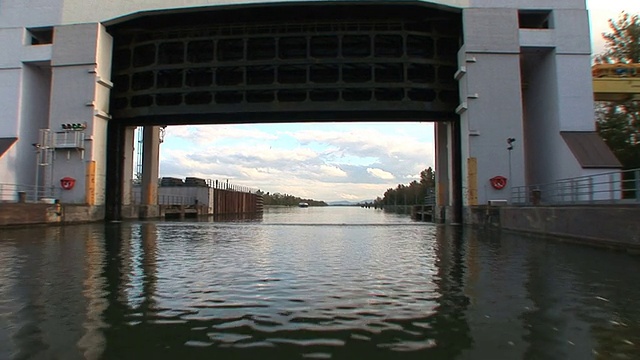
(198, 182)
(13, 193)
(618, 187)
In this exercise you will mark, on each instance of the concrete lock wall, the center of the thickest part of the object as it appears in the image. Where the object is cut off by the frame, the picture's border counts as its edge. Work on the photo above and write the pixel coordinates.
(50, 214)
(185, 195)
(73, 70)
(607, 226)
(535, 116)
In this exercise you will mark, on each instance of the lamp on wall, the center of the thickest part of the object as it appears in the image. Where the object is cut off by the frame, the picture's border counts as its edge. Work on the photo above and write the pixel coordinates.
(510, 142)
(162, 133)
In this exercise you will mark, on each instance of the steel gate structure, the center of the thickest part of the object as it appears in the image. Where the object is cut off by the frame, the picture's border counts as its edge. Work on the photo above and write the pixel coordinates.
(336, 63)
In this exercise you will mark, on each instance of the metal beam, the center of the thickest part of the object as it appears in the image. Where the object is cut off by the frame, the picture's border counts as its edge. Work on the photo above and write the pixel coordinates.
(324, 65)
(616, 89)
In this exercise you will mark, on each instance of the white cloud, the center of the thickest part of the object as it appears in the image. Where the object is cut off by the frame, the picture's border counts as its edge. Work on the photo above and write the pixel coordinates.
(350, 197)
(401, 152)
(379, 173)
(323, 161)
(205, 134)
(334, 171)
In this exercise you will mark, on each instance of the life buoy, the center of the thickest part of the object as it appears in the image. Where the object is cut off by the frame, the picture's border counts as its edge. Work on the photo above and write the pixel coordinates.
(498, 182)
(67, 183)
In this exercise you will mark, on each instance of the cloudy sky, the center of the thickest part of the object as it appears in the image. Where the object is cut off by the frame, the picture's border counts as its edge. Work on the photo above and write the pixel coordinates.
(330, 162)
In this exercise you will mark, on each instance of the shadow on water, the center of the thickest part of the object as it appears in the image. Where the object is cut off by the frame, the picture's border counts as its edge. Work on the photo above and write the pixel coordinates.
(249, 290)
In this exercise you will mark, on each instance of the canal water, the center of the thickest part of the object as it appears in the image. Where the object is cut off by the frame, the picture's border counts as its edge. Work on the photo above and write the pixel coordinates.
(317, 283)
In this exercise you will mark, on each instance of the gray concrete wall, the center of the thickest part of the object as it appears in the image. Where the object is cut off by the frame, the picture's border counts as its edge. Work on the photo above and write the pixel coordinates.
(78, 96)
(48, 214)
(28, 214)
(82, 213)
(183, 195)
(36, 85)
(611, 226)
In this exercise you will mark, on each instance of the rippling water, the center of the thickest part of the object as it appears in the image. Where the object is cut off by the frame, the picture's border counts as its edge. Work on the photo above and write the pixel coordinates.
(311, 283)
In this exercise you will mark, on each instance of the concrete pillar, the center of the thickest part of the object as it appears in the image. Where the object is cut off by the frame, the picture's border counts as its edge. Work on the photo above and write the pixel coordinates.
(129, 155)
(490, 114)
(150, 164)
(80, 90)
(454, 212)
(443, 169)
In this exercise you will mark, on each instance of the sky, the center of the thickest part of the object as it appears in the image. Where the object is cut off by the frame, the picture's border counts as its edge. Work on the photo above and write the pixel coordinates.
(330, 161)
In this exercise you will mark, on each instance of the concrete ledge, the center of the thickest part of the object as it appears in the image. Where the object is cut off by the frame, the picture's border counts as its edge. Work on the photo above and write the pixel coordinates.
(28, 214)
(141, 212)
(149, 212)
(609, 226)
(12, 214)
(483, 216)
(72, 213)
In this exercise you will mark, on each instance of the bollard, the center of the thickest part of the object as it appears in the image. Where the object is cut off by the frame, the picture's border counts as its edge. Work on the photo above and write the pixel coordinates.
(535, 196)
(22, 197)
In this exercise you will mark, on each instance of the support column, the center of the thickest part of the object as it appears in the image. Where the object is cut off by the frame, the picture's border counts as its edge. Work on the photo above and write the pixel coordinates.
(490, 114)
(128, 199)
(150, 171)
(115, 160)
(454, 213)
(443, 170)
(80, 90)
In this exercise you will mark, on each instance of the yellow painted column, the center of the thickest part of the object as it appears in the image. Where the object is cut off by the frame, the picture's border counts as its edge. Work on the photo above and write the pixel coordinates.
(90, 183)
(472, 181)
(150, 164)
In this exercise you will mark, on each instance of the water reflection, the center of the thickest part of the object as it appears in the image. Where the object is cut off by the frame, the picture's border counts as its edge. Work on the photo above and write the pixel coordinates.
(284, 287)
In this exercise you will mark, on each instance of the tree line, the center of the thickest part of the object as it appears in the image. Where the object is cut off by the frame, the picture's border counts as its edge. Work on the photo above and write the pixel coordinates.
(414, 193)
(287, 200)
(618, 123)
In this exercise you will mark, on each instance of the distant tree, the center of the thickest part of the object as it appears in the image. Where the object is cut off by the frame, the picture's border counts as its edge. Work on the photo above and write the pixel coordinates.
(621, 44)
(428, 178)
(412, 194)
(287, 200)
(619, 122)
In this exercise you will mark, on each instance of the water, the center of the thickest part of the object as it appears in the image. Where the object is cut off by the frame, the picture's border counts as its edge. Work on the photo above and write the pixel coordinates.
(318, 283)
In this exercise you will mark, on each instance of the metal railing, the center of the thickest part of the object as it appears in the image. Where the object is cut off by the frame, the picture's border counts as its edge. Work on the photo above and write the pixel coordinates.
(68, 140)
(430, 199)
(166, 199)
(199, 182)
(225, 185)
(13, 193)
(619, 187)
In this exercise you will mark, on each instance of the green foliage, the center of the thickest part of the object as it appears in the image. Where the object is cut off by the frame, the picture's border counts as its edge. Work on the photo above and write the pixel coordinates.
(619, 126)
(621, 43)
(412, 194)
(619, 122)
(287, 200)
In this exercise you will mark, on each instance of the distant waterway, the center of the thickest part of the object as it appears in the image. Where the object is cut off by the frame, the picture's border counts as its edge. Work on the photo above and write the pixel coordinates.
(317, 283)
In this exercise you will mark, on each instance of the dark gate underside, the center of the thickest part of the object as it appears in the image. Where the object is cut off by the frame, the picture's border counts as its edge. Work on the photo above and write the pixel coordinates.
(287, 63)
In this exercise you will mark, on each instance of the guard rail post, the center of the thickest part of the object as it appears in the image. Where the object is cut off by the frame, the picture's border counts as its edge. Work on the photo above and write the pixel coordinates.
(637, 187)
